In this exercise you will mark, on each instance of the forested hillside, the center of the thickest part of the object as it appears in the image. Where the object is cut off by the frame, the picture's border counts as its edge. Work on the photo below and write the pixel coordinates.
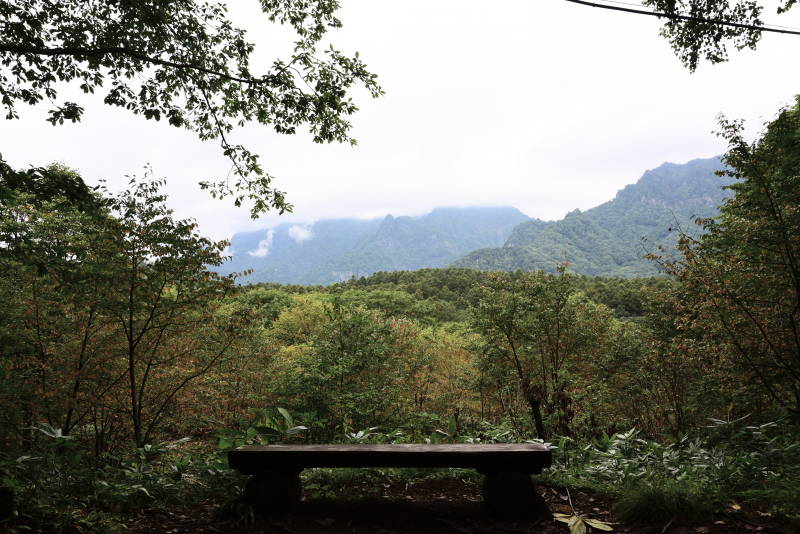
(440, 296)
(335, 250)
(282, 254)
(607, 240)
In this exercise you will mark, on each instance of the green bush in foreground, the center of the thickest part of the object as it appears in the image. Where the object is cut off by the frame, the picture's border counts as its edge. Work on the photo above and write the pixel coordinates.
(689, 479)
(667, 499)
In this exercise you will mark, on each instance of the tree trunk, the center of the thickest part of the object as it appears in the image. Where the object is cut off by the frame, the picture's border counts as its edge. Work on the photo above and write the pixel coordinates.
(537, 416)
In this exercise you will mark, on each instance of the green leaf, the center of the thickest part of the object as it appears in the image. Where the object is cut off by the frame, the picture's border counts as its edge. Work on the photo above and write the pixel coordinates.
(286, 416)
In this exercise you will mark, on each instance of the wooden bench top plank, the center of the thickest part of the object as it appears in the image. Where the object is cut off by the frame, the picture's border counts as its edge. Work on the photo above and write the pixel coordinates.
(526, 456)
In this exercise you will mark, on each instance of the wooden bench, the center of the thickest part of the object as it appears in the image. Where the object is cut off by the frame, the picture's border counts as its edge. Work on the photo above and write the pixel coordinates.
(275, 482)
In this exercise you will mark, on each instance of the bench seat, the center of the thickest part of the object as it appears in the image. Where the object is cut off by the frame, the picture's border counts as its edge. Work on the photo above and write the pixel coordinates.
(528, 458)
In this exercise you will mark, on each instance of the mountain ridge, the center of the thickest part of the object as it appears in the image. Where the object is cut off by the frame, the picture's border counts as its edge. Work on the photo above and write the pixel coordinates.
(391, 243)
(605, 240)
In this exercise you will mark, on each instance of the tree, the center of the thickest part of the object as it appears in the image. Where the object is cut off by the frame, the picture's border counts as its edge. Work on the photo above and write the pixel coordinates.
(700, 29)
(162, 301)
(534, 329)
(52, 183)
(121, 320)
(742, 276)
(44, 314)
(353, 370)
(185, 62)
(693, 40)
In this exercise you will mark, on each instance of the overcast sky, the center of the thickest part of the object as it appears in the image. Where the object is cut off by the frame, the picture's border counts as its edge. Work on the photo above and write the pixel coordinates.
(543, 105)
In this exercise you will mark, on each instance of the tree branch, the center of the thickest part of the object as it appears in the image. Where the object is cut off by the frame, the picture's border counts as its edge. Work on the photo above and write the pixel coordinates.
(117, 50)
(684, 17)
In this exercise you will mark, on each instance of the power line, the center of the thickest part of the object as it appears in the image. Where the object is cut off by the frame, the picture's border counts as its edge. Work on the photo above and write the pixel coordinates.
(684, 17)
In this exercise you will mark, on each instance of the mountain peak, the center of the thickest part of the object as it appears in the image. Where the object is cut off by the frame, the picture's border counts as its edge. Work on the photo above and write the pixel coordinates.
(606, 240)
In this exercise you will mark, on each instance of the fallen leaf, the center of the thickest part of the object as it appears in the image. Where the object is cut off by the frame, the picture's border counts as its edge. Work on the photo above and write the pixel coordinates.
(594, 523)
(736, 507)
(563, 508)
(564, 518)
(577, 524)
(719, 522)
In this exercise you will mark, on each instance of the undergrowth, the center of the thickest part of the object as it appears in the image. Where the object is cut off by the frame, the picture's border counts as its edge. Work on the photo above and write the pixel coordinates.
(61, 489)
(688, 479)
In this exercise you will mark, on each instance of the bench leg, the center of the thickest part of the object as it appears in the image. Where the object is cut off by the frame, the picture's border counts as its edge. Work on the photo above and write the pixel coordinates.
(272, 492)
(512, 493)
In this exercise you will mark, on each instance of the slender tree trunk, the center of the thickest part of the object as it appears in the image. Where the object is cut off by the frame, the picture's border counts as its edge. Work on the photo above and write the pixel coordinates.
(537, 416)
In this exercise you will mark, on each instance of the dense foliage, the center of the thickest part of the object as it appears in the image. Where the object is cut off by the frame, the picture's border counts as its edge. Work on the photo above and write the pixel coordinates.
(740, 281)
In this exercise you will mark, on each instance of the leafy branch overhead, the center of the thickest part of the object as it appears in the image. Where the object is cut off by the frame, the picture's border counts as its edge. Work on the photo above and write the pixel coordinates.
(701, 29)
(185, 62)
(692, 40)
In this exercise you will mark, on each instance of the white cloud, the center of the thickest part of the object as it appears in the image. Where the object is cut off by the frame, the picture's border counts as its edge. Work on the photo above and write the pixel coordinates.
(300, 233)
(263, 246)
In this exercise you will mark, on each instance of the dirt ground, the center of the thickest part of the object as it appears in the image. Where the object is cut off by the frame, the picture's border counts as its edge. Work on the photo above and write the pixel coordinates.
(435, 506)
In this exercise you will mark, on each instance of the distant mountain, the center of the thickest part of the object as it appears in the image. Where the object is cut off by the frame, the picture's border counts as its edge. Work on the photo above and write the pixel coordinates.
(607, 240)
(333, 250)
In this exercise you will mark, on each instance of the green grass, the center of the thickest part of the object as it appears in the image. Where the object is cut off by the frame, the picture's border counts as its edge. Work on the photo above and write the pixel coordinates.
(661, 500)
